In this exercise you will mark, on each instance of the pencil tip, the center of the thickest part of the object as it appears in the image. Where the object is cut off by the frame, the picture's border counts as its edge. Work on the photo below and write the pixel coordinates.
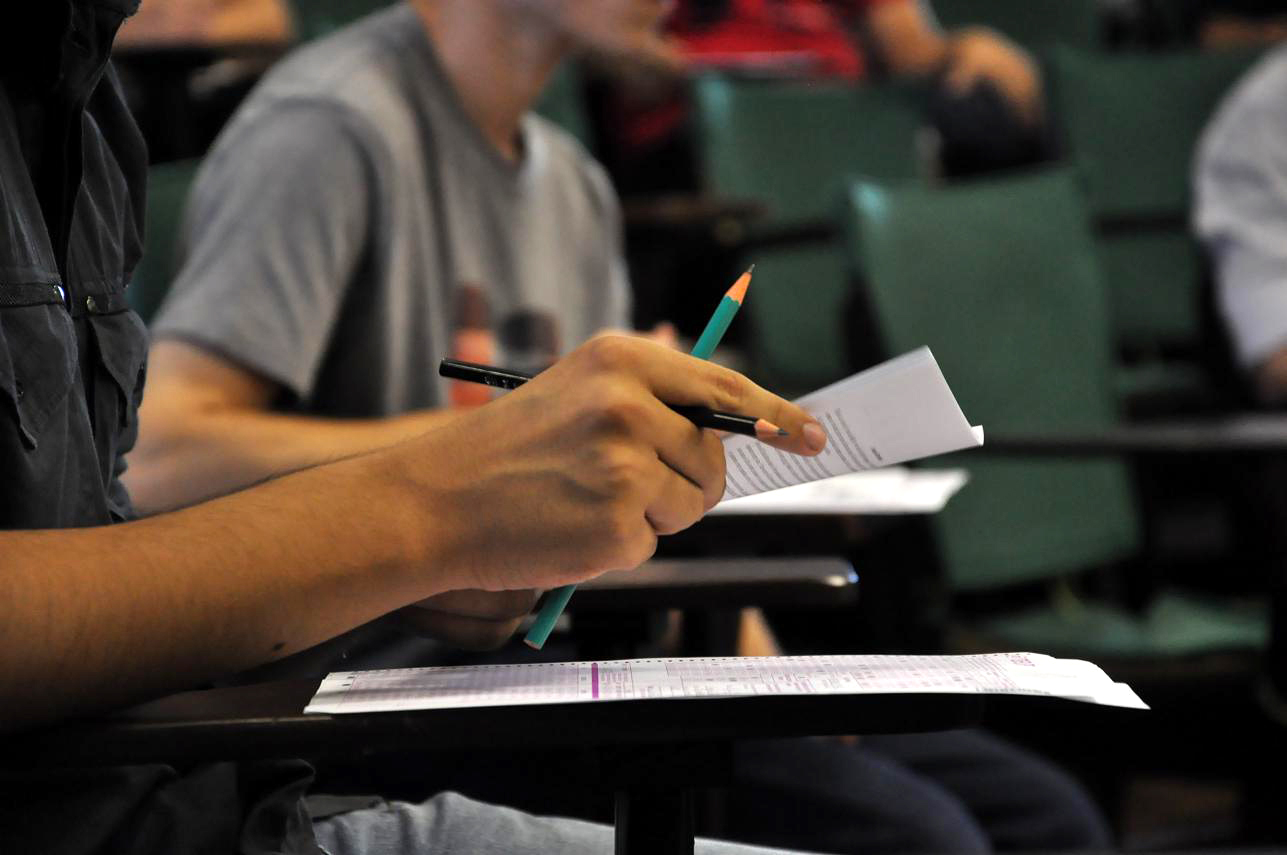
(738, 291)
(783, 432)
(750, 270)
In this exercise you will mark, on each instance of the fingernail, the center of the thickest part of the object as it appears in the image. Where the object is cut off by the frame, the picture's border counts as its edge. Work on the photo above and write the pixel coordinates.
(814, 437)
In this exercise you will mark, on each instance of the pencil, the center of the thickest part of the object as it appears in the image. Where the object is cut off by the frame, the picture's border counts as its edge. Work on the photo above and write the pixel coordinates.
(702, 417)
(706, 343)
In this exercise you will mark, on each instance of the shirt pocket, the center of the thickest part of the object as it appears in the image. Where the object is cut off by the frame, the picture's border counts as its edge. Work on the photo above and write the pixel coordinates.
(37, 357)
(122, 351)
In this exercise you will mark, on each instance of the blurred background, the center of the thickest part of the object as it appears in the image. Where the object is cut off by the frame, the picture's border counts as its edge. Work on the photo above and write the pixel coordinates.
(1012, 183)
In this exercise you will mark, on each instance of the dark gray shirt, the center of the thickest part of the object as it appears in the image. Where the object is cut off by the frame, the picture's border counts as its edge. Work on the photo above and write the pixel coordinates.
(72, 171)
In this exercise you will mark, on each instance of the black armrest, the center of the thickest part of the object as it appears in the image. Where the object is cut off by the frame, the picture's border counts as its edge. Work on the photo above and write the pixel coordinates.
(722, 583)
(267, 720)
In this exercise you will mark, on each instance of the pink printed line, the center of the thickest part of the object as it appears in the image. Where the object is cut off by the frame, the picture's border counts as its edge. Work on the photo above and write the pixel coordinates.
(594, 680)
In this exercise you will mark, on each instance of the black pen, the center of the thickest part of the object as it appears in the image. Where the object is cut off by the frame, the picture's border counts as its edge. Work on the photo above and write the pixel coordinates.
(703, 417)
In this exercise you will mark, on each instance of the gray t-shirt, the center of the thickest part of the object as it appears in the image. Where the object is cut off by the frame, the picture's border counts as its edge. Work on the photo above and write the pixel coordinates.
(1241, 208)
(352, 226)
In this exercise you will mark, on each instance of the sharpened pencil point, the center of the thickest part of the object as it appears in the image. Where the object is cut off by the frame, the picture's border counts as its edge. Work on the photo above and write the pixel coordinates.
(738, 292)
(783, 432)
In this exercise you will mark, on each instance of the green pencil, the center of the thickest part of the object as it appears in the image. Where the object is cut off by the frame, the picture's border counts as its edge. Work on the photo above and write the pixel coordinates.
(706, 344)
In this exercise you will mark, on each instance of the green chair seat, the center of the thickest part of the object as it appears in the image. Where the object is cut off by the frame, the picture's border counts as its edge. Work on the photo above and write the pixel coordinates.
(1174, 625)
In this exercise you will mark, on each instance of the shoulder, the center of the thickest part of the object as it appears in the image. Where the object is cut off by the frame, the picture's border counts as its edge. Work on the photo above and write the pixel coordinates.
(571, 164)
(355, 81)
(1253, 115)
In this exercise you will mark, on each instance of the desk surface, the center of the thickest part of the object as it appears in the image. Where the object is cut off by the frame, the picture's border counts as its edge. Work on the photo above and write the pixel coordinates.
(266, 720)
(727, 583)
(1252, 433)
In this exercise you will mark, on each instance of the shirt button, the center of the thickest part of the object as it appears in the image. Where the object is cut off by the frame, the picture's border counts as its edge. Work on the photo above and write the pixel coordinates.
(91, 304)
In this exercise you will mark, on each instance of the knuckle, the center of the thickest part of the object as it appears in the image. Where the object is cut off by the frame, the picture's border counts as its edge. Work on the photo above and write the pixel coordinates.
(644, 548)
(729, 389)
(608, 352)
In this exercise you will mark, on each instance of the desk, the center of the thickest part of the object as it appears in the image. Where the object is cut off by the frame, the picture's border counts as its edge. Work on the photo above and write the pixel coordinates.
(1249, 433)
(651, 753)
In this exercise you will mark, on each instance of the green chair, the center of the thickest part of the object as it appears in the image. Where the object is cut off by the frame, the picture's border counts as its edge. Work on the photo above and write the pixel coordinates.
(317, 18)
(1001, 280)
(1036, 24)
(790, 145)
(1131, 123)
(167, 193)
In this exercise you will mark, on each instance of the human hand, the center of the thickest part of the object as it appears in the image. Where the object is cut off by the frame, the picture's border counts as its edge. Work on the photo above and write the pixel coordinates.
(581, 469)
(470, 619)
(977, 53)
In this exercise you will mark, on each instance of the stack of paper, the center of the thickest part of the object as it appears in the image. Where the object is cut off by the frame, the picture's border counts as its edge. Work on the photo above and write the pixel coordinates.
(731, 677)
(898, 411)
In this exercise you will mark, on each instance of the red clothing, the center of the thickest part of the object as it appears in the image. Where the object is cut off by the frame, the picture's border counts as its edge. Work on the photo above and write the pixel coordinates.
(802, 36)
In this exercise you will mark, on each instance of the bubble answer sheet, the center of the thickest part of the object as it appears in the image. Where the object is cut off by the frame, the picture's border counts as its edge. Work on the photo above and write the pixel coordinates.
(716, 677)
(898, 411)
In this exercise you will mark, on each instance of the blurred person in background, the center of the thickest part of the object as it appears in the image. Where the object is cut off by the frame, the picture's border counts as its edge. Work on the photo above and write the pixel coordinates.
(1240, 214)
(206, 22)
(384, 199)
(987, 102)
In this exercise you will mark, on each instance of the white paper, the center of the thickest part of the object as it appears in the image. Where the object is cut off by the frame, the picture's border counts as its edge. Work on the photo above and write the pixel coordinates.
(727, 677)
(893, 490)
(900, 410)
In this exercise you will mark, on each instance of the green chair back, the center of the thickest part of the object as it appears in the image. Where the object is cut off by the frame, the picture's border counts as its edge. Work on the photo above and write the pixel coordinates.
(999, 278)
(167, 193)
(1037, 24)
(317, 18)
(563, 103)
(791, 145)
(1131, 123)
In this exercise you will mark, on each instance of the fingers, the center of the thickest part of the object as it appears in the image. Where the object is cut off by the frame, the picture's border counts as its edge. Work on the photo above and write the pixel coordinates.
(677, 502)
(680, 379)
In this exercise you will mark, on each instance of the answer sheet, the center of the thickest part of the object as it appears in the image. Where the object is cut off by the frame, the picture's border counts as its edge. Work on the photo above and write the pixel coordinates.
(898, 411)
(893, 490)
(728, 677)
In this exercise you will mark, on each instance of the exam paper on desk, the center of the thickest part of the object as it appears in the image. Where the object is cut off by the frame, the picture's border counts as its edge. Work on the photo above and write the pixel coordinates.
(898, 411)
(716, 677)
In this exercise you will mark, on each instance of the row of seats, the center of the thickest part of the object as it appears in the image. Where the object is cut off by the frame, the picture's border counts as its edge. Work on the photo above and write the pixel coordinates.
(1129, 122)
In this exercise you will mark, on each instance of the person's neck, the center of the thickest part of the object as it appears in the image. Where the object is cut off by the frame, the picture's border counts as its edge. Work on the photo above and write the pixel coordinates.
(497, 61)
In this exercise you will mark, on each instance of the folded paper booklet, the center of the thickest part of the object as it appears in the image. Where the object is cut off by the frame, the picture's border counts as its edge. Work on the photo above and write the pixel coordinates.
(900, 410)
(715, 677)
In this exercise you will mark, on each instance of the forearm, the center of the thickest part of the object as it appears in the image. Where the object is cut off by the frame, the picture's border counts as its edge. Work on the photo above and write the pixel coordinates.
(909, 42)
(97, 617)
(184, 458)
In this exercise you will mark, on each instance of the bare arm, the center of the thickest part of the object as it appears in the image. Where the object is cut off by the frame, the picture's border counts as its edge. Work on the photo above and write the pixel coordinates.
(911, 43)
(206, 428)
(573, 475)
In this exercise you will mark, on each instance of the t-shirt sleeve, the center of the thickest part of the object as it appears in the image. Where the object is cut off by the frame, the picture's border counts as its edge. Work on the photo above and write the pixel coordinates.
(275, 227)
(1241, 216)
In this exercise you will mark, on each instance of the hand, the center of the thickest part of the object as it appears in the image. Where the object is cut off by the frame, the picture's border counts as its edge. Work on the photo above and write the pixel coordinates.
(581, 469)
(471, 620)
(977, 53)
